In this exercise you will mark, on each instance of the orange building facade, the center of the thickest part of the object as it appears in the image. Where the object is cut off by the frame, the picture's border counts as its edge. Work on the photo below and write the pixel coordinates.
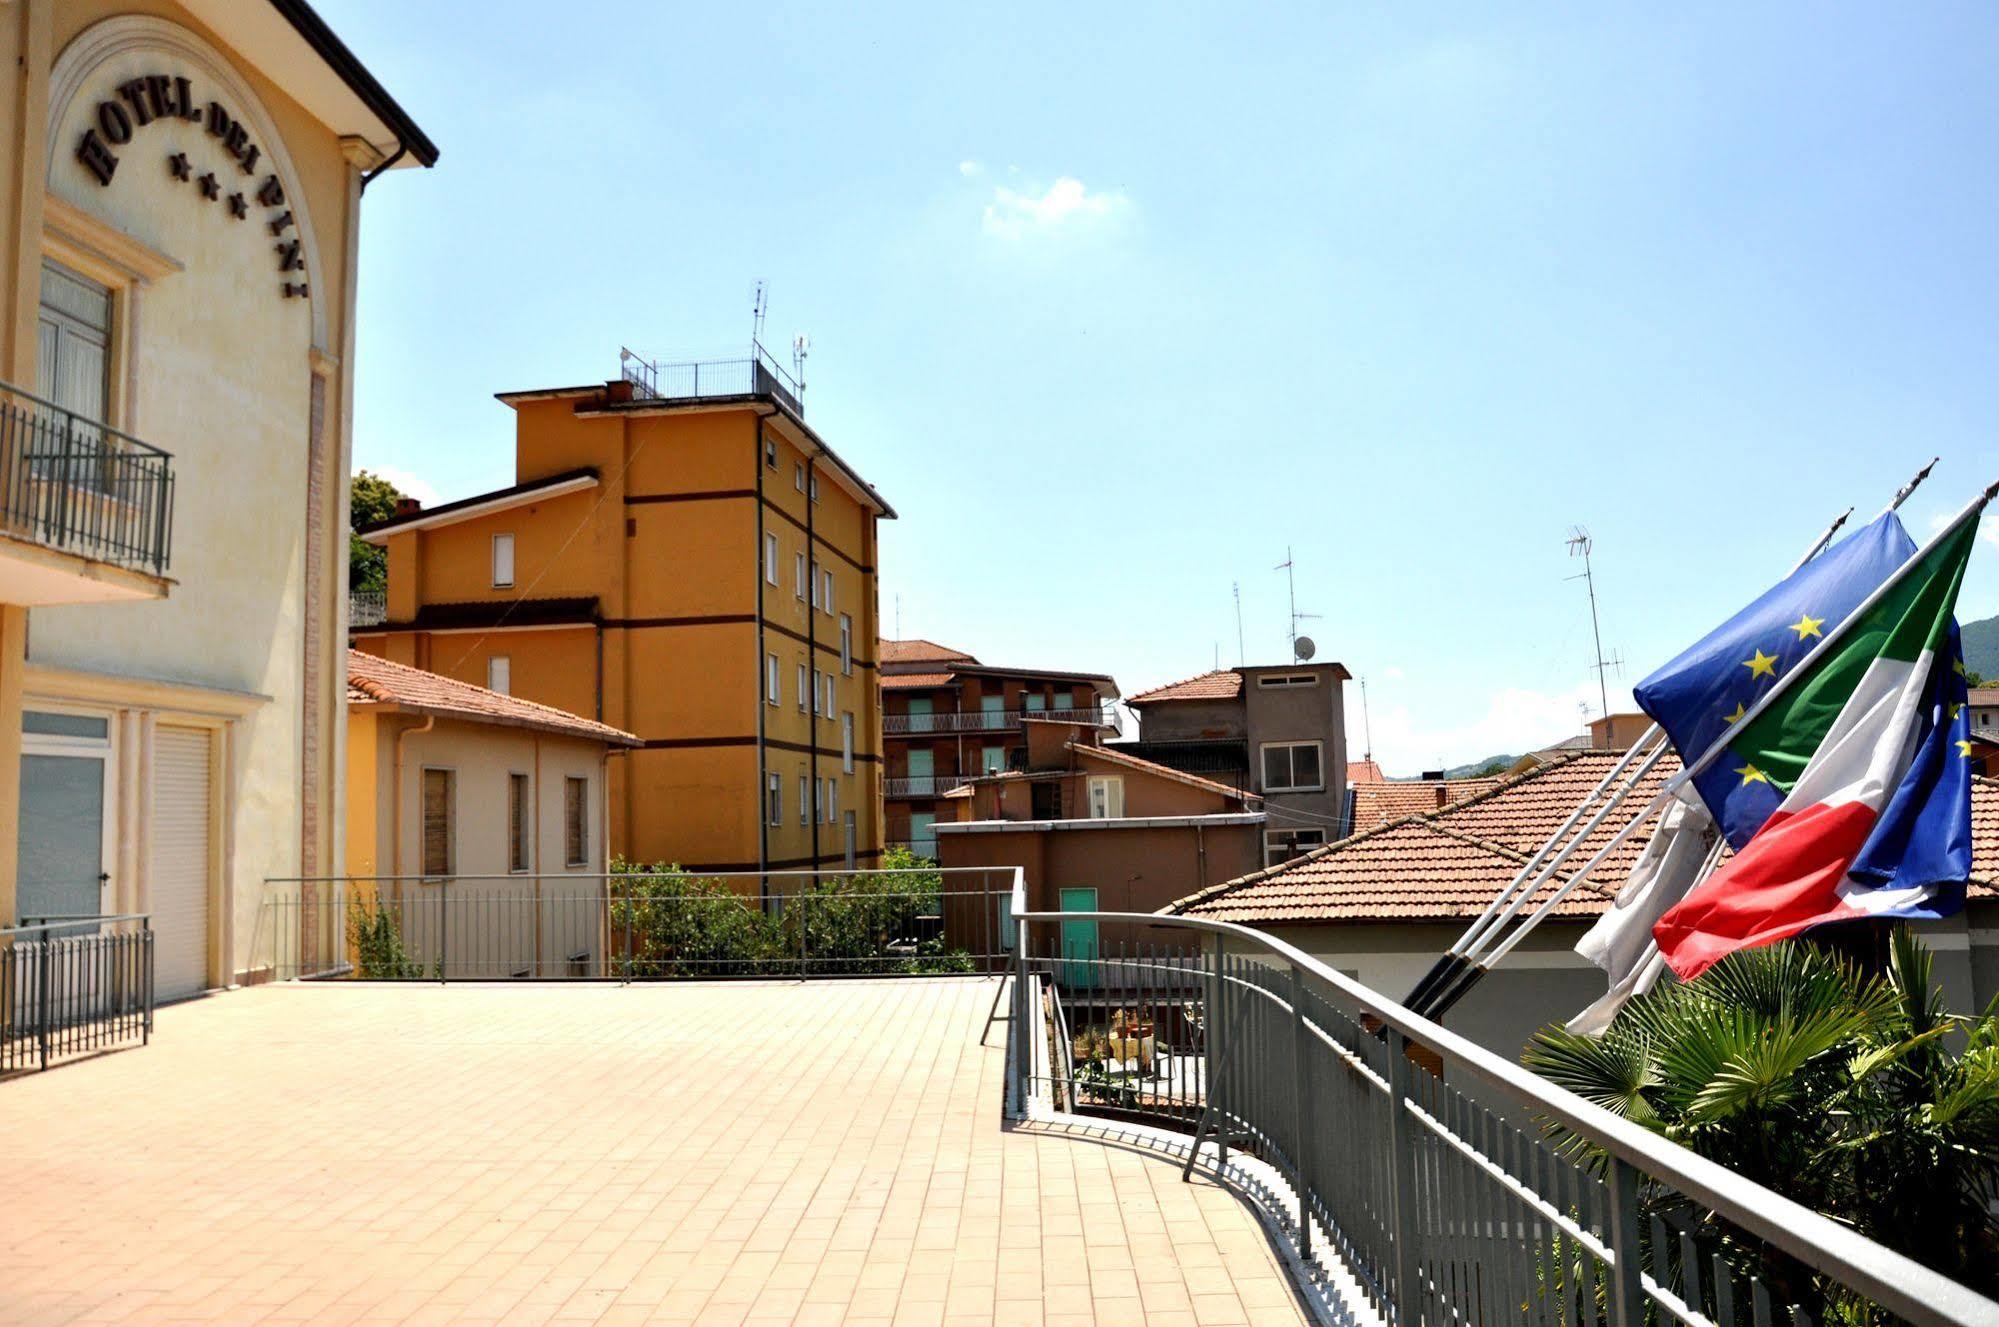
(698, 570)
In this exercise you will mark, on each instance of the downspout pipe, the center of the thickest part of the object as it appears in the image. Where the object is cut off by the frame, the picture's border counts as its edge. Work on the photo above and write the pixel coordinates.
(763, 686)
(812, 610)
(402, 150)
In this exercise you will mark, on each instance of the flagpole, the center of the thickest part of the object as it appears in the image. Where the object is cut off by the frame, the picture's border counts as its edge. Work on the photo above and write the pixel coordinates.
(1465, 958)
(1529, 878)
(1471, 972)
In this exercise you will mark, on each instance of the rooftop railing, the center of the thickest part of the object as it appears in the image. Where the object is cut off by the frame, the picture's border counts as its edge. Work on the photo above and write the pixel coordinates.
(1423, 1178)
(634, 926)
(994, 721)
(72, 986)
(367, 608)
(754, 374)
(82, 487)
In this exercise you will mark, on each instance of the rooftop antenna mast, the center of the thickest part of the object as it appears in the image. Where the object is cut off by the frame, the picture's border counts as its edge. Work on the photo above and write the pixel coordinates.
(1580, 544)
(1288, 567)
(1366, 727)
(801, 345)
(758, 309)
(1241, 650)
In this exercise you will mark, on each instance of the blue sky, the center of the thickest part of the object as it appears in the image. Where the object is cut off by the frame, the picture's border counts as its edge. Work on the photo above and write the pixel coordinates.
(1115, 304)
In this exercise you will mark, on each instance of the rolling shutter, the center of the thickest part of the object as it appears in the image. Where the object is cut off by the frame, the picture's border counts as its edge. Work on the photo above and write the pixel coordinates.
(180, 861)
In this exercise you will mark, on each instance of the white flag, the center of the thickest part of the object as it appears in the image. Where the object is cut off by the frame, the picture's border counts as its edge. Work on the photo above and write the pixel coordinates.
(1621, 941)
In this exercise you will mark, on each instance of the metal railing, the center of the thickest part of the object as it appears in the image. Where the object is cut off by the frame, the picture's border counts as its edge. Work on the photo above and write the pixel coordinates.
(1421, 1168)
(81, 486)
(994, 721)
(755, 374)
(70, 986)
(924, 785)
(367, 608)
(634, 926)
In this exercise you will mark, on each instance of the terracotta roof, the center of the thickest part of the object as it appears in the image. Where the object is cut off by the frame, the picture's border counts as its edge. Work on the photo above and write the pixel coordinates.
(372, 680)
(1376, 804)
(1364, 771)
(1984, 695)
(914, 681)
(1448, 865)
(919, 651)
(1222, 684)
(1163, 771)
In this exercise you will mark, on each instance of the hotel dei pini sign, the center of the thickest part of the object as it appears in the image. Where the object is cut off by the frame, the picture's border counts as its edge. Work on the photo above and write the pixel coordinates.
(170, 100)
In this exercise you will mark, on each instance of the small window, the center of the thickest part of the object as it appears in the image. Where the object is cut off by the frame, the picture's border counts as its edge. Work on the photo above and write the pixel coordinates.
(1106, 797)
(770, 558)
(518, 817)
(774, 798)
(1292, 767)
(832, 806)
(503, 561)
(827, 709)
(85, 726)
(798, 477)
(771, 689)
(770, 452)
(798, 585)
(500, 674)
(847, 741)
(1281, 845)
(826, 589)
(993, 760)
(804, 800)
(801, 688)
(440, 799)
(815, 488)
(73, 360)
(1271, 681)
(846, 645)
(576, 822)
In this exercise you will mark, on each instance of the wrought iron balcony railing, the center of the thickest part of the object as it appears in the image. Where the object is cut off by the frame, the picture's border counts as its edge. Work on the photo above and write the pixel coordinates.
(996, 721)
(367, 608)
(924, 785)
(82, 487)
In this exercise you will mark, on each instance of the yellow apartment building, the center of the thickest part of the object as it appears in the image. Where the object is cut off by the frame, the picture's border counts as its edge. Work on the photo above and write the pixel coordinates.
(684, 558)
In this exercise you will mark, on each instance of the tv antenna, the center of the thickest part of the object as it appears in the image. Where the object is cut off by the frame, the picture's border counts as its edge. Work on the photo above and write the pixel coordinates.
(1288, 567)
(760, 308)
(801, 346)
(1366, 728)
(1580, 544)
(1241, 650)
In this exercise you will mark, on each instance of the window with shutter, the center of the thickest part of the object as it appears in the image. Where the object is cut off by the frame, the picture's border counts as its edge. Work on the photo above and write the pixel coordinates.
(576, 822)
(440, 795)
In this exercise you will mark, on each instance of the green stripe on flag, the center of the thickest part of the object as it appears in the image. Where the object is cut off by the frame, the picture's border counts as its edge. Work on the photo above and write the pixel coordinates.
(1913, 616)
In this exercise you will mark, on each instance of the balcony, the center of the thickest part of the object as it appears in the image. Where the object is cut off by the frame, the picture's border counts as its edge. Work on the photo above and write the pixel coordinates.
(367, 608)
(995, 721)
(755, 374)
(86, 512)
(924, 785)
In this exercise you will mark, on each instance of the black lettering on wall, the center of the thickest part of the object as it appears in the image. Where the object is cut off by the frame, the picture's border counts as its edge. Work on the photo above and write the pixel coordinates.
(96, 157)
(117, 125)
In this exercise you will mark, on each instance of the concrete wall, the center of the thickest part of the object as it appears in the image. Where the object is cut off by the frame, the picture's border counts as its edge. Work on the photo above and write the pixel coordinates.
(1192, 721)
(1300, 714)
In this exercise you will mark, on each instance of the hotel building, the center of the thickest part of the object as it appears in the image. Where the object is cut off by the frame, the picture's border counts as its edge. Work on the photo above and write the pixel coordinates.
(684, 558)
(181, 200)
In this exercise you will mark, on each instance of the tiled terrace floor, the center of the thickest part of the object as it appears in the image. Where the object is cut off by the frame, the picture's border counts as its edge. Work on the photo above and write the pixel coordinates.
(769, 1153)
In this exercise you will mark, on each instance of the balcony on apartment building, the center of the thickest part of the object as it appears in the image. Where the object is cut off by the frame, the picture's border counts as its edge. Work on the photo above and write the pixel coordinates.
(924, 785)
(996, 721)
(754, 374)
(86, 511)
(367, 608)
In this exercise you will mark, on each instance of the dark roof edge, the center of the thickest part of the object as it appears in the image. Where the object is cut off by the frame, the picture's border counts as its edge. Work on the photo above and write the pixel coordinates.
(497, 495)
(355, 75)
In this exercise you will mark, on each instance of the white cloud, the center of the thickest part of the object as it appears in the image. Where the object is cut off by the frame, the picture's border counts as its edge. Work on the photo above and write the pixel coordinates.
(1513, 721)
(1987, 531)
(1392, 673)
(1066, 205)
(406, 482)
(968, 169)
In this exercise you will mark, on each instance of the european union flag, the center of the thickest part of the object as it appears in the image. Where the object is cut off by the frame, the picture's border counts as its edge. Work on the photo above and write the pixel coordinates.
(1700, 695)
(1920, 851)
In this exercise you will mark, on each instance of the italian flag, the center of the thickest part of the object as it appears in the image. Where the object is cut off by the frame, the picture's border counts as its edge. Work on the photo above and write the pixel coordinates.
(1837, 741)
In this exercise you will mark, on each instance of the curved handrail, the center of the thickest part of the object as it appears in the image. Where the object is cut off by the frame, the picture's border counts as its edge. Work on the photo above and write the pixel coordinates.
(1895, 1282)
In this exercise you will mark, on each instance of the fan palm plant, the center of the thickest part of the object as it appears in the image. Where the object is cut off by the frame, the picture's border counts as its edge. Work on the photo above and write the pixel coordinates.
(1855, 1094)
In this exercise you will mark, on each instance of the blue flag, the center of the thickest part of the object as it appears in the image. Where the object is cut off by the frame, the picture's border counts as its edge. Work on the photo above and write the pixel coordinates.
(1921, 847)
(1698, 697)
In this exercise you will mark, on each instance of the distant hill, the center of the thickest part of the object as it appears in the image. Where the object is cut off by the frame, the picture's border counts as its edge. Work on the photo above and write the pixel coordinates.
(1494, 764)
(1981, 647)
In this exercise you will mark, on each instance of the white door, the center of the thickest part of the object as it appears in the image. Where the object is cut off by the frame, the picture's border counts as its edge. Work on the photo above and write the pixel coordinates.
(180, 861)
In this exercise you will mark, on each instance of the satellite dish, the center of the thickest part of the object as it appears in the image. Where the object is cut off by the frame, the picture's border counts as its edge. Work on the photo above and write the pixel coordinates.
(1303, 648)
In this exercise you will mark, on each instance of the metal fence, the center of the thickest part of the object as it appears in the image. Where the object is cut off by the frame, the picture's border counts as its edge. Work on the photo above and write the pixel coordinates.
(77, 485)
(1449, 1184)
(754, 374)
(994, 721)
(367, 608)
(635, 926)
(70, 986)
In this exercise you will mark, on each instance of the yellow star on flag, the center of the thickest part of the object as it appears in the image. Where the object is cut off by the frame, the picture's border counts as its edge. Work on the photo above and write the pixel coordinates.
(1957, 666)
(1955, 710)
(1740, 710)
(1750, 774)
(1761, 665)
(1808, 626)
(1964, 747)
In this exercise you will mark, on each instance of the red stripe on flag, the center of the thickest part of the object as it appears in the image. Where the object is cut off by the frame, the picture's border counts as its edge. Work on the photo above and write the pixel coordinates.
(1785, 880)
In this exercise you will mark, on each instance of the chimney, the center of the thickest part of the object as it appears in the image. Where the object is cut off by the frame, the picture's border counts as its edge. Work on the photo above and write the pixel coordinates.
(408, 506)
(619, 390)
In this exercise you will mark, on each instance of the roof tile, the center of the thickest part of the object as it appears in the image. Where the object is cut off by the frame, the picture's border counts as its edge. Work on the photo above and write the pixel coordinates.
(1221, 684)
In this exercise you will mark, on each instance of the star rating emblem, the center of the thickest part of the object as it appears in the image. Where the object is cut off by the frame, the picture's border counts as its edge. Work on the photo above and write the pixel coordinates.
(1761, 664)
(211, 188)
(1750, 774)
(177, 166)
(1740, 710)
(1808, 626)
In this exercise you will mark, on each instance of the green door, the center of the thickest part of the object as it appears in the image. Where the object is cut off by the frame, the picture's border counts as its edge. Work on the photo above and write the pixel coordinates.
(1079, 939)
